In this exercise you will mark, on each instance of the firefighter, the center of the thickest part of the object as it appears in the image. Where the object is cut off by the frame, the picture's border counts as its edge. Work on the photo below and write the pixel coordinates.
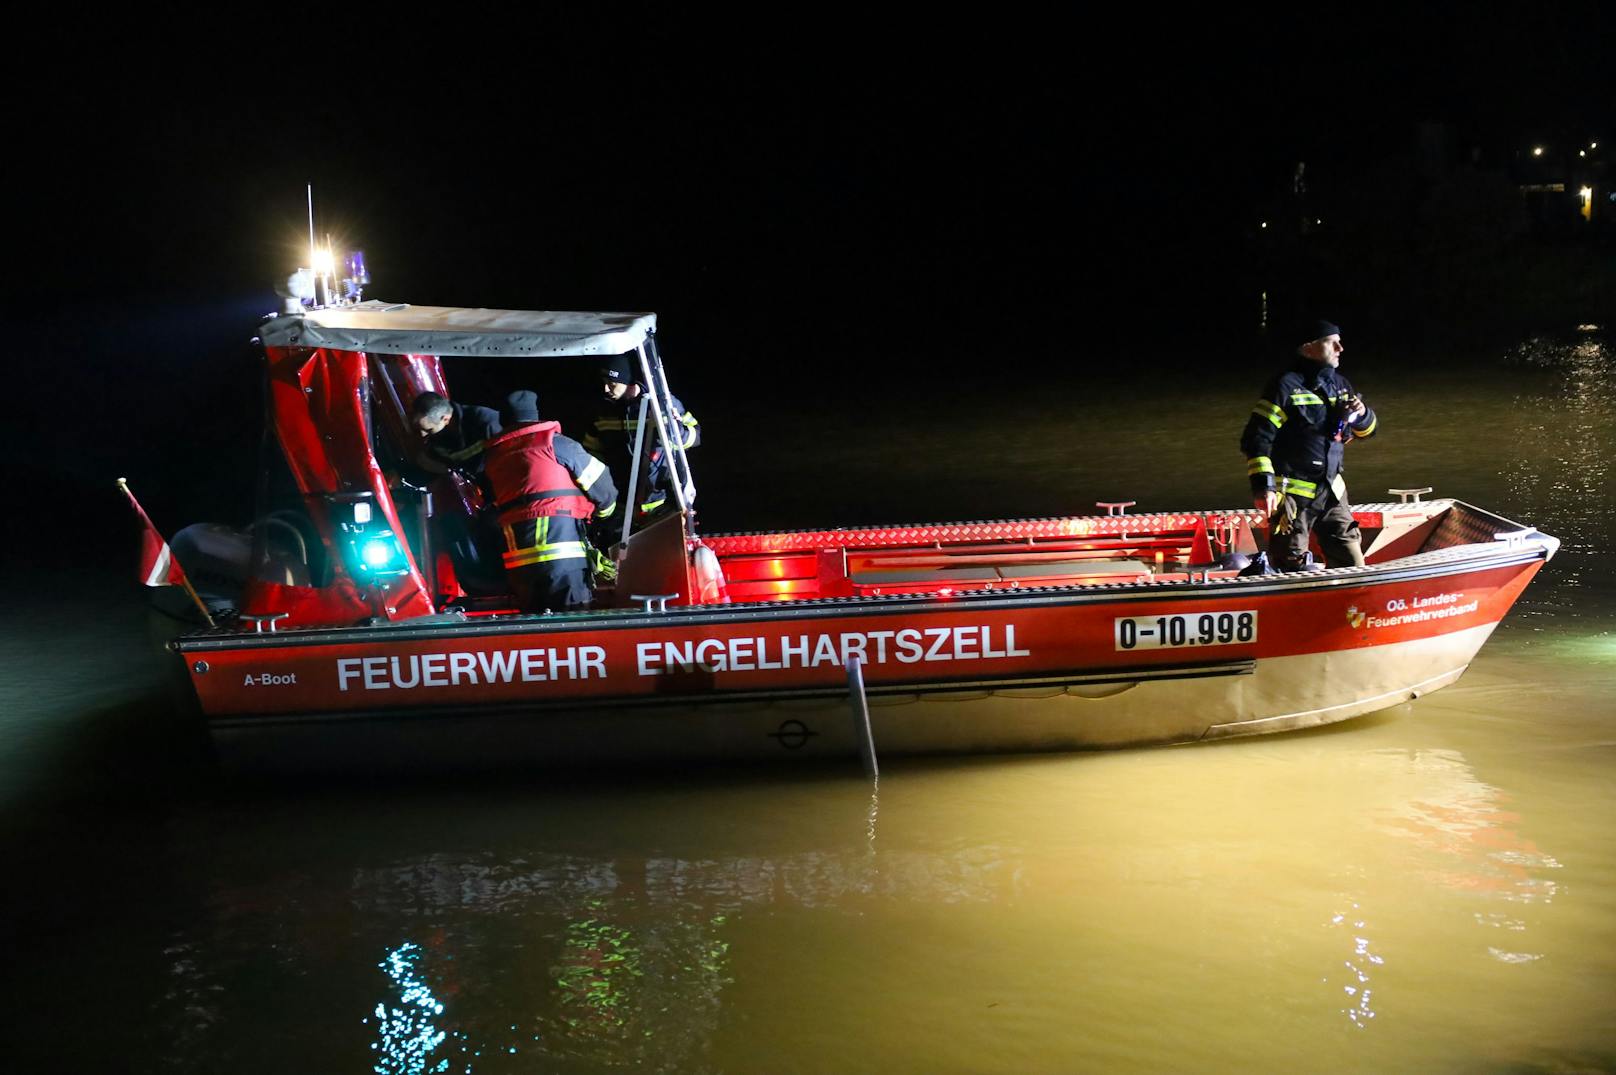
(1294, 443)
(612, 434)
(546, 489)
(453, 434)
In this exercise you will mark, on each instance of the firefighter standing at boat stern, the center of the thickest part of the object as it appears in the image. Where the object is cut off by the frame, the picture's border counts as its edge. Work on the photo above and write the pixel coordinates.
(611, 436)
(1294, 443)
(546, 489)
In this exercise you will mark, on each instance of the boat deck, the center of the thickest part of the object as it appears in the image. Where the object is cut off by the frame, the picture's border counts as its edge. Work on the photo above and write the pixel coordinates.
(1012, 554)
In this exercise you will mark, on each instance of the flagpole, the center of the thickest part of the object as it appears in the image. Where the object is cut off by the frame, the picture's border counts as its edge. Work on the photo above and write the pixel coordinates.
(185, 580)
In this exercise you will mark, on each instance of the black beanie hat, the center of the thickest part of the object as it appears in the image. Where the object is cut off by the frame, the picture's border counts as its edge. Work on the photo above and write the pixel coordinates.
(520, 406)
(619, 369)
(1317, 330)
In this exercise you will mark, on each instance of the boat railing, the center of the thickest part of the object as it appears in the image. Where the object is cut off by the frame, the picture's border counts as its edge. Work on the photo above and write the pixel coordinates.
(1076, 551)
(1079, 551)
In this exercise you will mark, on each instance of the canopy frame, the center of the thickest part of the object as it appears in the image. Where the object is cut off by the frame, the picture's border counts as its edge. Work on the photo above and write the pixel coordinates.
(451, 331)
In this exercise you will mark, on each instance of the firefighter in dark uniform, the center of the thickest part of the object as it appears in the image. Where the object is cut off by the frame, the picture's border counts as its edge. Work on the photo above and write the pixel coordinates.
(452, 439)
(1294, 443)
(612, 435)
(546, 489)
(453, 434)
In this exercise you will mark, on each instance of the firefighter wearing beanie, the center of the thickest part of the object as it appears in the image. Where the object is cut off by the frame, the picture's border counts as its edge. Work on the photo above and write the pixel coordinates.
(1295, 442)
(611, 436)
(546, 489)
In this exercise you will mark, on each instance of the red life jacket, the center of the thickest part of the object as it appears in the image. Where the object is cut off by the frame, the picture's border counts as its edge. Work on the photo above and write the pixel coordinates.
(528, 481)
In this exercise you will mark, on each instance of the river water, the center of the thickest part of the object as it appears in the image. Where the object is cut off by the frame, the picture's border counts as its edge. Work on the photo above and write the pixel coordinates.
(1431, 889)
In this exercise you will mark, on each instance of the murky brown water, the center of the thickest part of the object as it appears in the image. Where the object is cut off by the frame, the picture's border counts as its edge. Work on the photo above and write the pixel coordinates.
(1430, 889)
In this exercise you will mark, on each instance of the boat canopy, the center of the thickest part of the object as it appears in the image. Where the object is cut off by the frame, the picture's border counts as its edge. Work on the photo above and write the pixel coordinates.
(403, 329)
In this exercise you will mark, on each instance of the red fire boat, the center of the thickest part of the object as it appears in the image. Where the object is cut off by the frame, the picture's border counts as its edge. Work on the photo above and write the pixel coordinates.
(361, 642)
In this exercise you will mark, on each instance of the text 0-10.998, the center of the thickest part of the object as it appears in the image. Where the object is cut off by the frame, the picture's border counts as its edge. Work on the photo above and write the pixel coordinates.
(1197, 629)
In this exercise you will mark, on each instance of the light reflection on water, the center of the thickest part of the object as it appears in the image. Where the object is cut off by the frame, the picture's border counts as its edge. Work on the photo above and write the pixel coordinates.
(1358, 990)
(1431, 890)
(1564, 445)
(405, 1033)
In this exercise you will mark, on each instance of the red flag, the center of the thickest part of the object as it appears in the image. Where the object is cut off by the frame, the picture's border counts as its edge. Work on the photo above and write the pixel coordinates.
(157, 564)
(158, 567)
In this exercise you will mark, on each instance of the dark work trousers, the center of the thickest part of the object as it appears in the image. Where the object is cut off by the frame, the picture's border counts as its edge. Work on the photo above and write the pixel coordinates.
(556, 586)
(1337, 531)
(473, 546)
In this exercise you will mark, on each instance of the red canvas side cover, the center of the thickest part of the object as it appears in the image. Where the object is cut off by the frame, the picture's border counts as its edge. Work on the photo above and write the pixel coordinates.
(318, 405)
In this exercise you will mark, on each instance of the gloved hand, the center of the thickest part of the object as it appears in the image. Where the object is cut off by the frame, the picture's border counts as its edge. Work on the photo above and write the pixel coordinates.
(1285, 518)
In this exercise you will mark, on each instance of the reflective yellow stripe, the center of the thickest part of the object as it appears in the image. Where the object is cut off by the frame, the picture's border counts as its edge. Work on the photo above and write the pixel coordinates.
(1260, 464)
(1265, 409)
(630, 425)
(558, 550)
(594, 470)
(541, 551)
(1298, 487)
(1366, 430)
(652, 505)
(467, 452)
(1302, 399)
(607, 511)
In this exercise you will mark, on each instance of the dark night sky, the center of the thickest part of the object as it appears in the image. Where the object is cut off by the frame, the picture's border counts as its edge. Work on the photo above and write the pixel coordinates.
(847, 188)
(904, 159)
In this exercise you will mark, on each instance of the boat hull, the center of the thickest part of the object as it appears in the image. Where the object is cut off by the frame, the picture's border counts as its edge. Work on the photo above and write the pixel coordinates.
(1066, 669)
(1079, 717)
